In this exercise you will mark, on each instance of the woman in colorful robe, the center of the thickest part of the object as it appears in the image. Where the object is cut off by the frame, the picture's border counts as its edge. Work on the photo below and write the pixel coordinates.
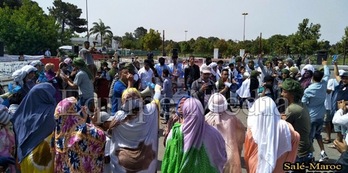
(7, 137)
(33, 124)
(270, 141)
(231, 129)
(78, 146)
(134, 138)
(192, 142)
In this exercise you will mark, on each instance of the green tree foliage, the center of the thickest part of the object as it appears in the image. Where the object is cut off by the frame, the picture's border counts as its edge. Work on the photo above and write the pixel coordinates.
(128, 41)
(222, 45)
(68, 17)
(99, 29)
(152, 40)
(277, 44)
(10, 3)
(202, 45)
(27, 29)
(185, 47)
(140, 32)
(108, 40)
(305, 40)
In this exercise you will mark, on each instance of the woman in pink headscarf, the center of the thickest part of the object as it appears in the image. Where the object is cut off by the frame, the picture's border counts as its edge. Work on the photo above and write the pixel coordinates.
(194, 141)
(270, 141)
(231, 129)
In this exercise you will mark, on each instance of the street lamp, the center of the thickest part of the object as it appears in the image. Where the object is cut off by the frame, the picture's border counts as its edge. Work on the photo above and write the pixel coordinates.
(185, 34)
(244, 14)
(87, 20)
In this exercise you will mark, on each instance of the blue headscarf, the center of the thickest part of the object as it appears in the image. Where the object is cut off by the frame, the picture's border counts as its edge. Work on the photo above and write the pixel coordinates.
(34, 119)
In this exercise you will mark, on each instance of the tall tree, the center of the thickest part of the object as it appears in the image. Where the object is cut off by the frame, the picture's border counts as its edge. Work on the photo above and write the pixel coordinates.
(222, 46)
(152, 40)
(202, 45)
(108, 40)
(27, 29)
(68, 17)
(140, 32)
(277, 44)
(128, 41)
(305, 40)
(10, 3)
(99, 29)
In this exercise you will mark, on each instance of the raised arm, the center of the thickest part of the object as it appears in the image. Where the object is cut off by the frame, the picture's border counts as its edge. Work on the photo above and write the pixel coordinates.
(326, 71)
(337, 75)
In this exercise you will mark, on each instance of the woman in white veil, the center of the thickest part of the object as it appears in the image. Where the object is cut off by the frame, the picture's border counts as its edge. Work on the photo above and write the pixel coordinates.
(270, 141)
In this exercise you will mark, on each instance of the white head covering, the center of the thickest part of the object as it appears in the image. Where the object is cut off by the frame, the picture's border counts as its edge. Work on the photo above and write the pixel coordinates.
(340, 72)
(28, 68)
(20, 74)
(67, 60)
(35, 63)
(217, 103)
(307, 67)
(271, 134)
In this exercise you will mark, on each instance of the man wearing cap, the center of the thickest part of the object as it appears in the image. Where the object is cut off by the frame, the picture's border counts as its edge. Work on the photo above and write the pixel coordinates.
(203, 87)
(125, 81)
(297, 115)
(83, 81)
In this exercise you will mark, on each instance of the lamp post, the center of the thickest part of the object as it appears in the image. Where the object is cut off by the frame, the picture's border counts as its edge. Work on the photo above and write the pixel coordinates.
(87, 20)
(244, 14)
(185, 34)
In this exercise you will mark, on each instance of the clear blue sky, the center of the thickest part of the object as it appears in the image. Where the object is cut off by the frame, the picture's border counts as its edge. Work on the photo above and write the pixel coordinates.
(218, 18)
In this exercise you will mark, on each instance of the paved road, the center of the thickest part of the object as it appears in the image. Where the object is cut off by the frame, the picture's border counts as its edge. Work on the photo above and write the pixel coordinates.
(332, 153)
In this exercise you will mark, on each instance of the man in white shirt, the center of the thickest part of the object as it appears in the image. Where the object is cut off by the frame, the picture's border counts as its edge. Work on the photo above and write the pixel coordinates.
(146, 75)
(48, 53)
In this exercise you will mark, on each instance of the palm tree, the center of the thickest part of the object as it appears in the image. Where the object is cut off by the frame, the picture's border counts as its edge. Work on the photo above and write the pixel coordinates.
(100, 29)
(108, 40)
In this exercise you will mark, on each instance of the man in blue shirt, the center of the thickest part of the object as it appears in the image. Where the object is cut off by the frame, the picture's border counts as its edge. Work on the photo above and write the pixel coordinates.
(125, 81)
(314, 97)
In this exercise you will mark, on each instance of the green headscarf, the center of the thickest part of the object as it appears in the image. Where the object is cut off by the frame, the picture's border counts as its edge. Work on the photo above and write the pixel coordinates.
(254, 73)
(294, 87)
(80, 63)
(285, 71)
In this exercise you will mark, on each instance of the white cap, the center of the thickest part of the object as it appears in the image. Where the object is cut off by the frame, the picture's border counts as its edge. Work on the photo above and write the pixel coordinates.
(340, 72)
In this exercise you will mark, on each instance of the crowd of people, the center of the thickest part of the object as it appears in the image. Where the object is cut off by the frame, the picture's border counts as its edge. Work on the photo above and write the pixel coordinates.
(83, 119)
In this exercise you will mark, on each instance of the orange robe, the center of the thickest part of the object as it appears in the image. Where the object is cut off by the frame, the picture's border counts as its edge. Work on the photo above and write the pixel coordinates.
(251, 152)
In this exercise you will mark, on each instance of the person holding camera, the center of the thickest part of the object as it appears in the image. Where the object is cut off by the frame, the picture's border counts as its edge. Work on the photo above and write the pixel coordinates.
(203, 87)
